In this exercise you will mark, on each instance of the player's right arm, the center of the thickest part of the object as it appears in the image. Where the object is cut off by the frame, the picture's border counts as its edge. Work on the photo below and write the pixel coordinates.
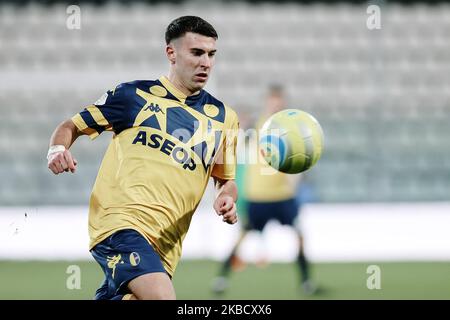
(59, 157)
(106, 114)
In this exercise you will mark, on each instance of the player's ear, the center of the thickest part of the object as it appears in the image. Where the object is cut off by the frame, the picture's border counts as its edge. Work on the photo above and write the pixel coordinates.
(170, 52)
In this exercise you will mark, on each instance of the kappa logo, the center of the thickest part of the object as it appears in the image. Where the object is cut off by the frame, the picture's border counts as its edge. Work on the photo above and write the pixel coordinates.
(113, 262)
(154, 108)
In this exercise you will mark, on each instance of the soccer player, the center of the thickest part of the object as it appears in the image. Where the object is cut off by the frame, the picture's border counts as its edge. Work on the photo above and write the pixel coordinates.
(169, 137)
(270, 195)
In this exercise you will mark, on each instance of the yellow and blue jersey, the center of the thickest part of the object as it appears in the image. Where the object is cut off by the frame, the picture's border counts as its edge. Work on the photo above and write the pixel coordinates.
(165, 147)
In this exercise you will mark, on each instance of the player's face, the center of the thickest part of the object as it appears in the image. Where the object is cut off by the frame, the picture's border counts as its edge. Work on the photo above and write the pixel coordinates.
(192, 60)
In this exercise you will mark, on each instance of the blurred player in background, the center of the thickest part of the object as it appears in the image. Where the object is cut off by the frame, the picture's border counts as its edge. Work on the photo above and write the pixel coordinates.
(267, 194)
(170, 137)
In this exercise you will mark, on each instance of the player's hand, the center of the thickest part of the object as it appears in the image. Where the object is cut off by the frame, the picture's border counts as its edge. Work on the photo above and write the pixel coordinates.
(225, 207)
(62, 161)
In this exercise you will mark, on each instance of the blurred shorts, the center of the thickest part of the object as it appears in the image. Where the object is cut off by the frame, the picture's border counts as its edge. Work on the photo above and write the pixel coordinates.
(123, 256)
(259, 213)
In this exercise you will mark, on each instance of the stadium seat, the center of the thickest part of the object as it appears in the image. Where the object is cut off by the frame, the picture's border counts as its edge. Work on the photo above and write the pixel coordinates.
(382, 98)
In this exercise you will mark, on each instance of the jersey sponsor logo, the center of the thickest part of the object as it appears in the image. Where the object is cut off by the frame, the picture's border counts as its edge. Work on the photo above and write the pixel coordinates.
(178, 133)
(180, 154)
(156, 141)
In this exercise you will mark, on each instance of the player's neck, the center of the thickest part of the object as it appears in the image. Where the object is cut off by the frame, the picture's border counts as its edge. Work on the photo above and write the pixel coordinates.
(175, 81)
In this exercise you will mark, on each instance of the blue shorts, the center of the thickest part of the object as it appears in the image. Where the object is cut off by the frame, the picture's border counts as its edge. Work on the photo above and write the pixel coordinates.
(259, 213)
(123, 256)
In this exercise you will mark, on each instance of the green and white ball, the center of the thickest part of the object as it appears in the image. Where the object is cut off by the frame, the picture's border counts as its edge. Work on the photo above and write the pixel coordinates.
(291, 141)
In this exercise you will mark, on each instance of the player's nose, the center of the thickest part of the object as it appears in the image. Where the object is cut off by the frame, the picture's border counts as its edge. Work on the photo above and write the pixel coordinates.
(205, 61)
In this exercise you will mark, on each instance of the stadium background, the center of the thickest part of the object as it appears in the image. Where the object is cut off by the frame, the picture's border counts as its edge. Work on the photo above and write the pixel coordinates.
(379, 195)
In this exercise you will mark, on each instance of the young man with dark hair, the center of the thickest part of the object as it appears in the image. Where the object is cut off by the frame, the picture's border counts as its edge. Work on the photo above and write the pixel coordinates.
(170, 136)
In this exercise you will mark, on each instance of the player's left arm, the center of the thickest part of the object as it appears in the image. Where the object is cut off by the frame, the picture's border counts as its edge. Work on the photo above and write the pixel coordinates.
(225, 203)
(224, 171)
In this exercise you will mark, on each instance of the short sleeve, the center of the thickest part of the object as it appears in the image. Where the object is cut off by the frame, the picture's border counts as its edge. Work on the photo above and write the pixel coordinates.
(107, 113)
(225, 165)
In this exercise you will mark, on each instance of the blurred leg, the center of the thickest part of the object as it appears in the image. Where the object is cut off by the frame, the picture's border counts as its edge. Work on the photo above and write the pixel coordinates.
(220, 283)
(226, 267)
(308, 286)
(302, 262)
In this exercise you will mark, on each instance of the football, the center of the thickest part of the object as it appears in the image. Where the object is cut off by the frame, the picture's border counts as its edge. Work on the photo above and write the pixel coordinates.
(291, 141)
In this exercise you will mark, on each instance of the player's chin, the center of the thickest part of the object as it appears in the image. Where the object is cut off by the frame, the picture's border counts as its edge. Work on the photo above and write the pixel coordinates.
(200, 82)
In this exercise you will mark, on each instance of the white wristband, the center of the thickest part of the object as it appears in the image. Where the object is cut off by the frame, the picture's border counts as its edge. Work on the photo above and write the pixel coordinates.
(55, 149)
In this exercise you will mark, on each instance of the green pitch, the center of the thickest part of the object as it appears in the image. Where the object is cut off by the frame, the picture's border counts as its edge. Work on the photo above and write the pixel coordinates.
(48, 280)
